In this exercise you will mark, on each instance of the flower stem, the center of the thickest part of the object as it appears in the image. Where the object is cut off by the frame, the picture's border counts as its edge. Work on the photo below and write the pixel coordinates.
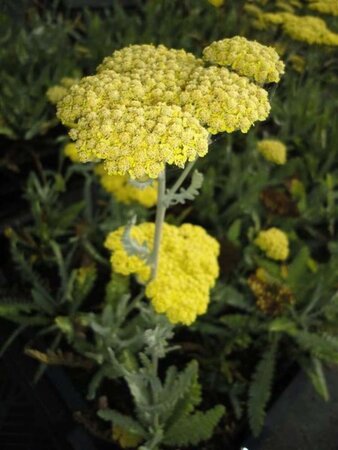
(160, 214)
(180, 180)
(163, 201)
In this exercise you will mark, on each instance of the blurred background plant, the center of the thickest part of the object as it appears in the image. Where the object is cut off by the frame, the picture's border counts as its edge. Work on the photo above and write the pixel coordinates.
(266, 316)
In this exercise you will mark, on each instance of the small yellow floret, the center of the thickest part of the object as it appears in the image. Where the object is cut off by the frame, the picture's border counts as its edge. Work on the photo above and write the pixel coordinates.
(58, 92)
(126, 191)
(274, 243)
(71, 152)
(273, 150)
(248, 58)
(187, 268)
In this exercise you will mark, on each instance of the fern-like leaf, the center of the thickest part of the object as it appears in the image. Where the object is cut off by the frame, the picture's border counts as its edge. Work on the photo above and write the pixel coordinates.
(260, 389)
(13, 306)
(194, 428)
(186, 194)
(123, 421)
(131, 246)
(314, 370)
(323, 347)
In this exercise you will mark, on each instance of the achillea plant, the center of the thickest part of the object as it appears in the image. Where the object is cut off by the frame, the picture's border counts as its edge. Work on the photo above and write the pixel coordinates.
(147, 108)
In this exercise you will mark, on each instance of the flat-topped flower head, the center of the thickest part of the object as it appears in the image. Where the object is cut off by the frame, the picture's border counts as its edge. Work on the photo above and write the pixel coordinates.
(274, 243)
(187, 269)
(136, 59)
(162, 72)
(149, 106)
(126, 190)
(139, 141)
(249, 58)
(324, 6)
(273, 150)
(224, 101)
(309, 29)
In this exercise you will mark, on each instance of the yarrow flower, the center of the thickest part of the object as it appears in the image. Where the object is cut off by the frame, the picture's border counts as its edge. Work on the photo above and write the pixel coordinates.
(312, 30)
(247, 58)
(149, 106)
(324, 6)
(139, 141)
(273, 150)
(224, 101)
(126, 190)
(71, 152)
(274, 243)
(187, 269)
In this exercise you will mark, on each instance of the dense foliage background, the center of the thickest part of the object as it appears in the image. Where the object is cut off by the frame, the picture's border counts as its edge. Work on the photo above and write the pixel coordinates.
(58, 289)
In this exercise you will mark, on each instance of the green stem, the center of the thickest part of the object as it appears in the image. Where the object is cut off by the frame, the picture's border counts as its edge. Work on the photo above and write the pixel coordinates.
(160, 214)
(163, 201)
(180, 180)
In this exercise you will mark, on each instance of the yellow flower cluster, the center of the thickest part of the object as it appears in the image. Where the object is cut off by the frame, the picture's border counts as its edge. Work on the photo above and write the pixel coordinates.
(324, 6)
(274, 243)
(71, 152)
(138, 141)
(224, 101)
(125, 191)
(271, 298)
(125, 438)
(248, 58)
(216, 3)
(272, 150)
(162, 72)
(58, 92)
(187, 268)
(105, 90)
(312, 30)
(149, 106)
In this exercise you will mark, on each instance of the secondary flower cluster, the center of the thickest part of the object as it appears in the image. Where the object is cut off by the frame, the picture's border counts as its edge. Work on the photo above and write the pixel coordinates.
(124, 189)
(148, 106)
(304, 28)
(187, 269)
(324, 6)
(312, 30)
(274, 243)
(247, 58)
(272, 150)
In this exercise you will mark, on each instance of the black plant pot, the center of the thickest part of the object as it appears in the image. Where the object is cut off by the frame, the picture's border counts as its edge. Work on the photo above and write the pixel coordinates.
(300, 419)
(40, 416)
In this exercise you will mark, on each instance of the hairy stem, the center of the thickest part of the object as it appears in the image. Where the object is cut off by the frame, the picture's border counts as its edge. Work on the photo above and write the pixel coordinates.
(180, 180)
(160, 214)
(163, 200)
